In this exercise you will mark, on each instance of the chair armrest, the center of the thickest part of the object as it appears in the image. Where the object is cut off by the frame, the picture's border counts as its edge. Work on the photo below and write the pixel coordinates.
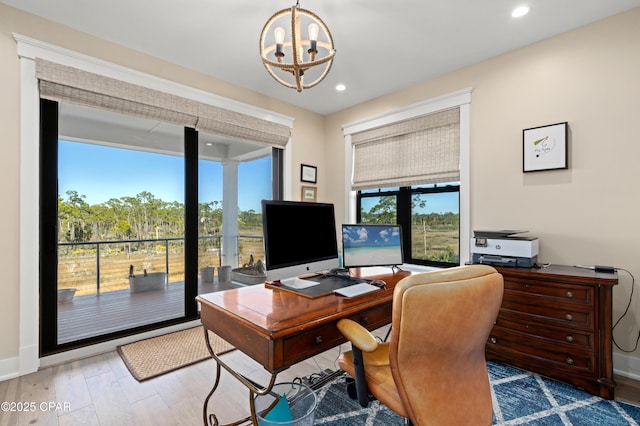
(357, 335)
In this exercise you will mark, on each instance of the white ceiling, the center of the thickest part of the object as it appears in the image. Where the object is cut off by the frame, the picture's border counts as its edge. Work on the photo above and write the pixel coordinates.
(382, 45)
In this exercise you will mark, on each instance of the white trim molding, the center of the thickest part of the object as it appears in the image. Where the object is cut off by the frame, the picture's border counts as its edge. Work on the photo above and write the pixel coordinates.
(626, 365)
(461, 99)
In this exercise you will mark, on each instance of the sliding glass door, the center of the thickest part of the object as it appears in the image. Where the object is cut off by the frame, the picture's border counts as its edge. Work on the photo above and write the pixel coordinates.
(136, 215)
(121, 223)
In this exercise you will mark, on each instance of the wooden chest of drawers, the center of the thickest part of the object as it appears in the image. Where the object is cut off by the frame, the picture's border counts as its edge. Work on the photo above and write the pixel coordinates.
(556, 321)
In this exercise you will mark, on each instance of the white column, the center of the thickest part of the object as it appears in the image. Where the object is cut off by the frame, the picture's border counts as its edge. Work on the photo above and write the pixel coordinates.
(230, 253)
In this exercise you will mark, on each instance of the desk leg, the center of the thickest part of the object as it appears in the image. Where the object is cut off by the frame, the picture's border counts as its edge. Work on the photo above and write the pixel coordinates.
(254, 389)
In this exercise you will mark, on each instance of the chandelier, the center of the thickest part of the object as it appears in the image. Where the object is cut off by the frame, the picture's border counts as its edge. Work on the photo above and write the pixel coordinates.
(293, 61)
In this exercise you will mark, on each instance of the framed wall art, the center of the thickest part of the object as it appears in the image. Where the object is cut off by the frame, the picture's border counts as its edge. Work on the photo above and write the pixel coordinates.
(545, 148)
(308, 173)
(309, 193)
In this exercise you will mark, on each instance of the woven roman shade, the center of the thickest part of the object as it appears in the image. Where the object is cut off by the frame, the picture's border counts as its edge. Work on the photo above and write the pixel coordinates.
(223, 122)
(422, 150)
(63, 83)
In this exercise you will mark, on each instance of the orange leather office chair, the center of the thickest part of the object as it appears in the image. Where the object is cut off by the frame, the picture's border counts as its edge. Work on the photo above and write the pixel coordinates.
(433, 369)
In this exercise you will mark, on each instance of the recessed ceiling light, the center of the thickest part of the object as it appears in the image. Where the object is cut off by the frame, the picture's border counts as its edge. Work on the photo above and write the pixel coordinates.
(520, 11)
(209, 144)
(341, 87)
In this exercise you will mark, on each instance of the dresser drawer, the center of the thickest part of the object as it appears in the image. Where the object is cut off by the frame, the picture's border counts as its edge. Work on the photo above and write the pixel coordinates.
(552, 292)
(547, 335)
(524, 347)
(565, 316)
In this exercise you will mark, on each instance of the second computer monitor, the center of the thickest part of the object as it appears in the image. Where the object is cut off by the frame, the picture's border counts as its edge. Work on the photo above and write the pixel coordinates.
(371, 245)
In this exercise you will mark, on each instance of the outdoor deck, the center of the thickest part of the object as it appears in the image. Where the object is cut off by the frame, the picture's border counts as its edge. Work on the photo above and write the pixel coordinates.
(94, 315)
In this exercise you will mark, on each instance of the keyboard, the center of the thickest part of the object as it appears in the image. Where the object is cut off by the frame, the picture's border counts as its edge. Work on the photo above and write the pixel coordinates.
(356, 290)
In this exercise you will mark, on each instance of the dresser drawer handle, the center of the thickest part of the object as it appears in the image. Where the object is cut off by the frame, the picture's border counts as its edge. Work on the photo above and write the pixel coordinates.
(318, 340)
(570, 295)
(569, 317)
(494, 340)
(569, 361)
(364, 320)
(569, 338)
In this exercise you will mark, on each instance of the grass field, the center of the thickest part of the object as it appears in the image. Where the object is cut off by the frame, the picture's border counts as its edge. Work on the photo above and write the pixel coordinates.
(437, 244)
(79, 268)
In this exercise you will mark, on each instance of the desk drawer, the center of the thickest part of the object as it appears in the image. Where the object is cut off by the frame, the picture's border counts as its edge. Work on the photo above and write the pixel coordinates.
(374, 318)
(320, 339)
(312, 342)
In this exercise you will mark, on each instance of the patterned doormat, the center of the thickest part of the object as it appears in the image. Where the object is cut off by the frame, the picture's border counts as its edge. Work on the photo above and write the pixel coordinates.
(519, 398)
(159, 355)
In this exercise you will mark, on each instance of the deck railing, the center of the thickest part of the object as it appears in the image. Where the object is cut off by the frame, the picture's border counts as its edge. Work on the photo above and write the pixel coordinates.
(97, 266)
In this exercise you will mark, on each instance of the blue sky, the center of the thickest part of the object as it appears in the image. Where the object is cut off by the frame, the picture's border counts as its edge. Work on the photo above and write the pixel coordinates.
(443, 202)
(369, 235)
(101, 173)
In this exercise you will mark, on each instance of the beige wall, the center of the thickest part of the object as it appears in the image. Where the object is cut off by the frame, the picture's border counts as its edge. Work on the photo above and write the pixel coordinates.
(587, 214)
(9, 192)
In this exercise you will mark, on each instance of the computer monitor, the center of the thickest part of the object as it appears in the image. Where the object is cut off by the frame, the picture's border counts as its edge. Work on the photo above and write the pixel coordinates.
(371, 245)
(299, 238)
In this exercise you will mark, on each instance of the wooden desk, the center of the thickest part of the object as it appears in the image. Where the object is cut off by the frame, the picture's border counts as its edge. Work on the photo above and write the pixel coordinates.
(278, 328)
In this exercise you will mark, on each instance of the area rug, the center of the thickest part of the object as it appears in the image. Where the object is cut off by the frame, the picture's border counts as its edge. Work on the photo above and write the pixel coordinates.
(519, 398)
(155, 356)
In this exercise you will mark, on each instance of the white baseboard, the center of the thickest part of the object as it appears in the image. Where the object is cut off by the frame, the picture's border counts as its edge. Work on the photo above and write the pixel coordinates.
(626, 365)
(9, 368)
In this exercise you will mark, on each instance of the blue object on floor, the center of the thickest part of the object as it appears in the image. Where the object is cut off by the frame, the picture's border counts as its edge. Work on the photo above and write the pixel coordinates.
(281, 412)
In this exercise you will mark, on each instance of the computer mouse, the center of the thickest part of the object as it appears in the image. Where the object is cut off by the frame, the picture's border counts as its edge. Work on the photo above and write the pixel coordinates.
(378, 283)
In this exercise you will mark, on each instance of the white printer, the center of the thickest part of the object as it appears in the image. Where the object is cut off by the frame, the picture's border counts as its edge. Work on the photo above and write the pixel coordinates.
(504, 248)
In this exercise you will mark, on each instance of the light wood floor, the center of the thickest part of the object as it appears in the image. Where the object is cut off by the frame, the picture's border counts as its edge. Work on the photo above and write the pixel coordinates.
(100, 391)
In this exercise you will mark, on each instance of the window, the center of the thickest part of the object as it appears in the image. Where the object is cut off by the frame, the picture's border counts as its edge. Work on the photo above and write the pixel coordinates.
(429, 216)
(411, 166)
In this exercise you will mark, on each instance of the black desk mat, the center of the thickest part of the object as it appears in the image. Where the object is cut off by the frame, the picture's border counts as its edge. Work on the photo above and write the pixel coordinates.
(328, 283)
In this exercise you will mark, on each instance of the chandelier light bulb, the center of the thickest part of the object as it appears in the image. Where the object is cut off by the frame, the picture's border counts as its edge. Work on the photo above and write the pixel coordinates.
(313, 36)
(278, 33)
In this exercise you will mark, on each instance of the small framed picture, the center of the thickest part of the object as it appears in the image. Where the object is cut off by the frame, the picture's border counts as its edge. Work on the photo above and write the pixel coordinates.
(545, 148)
(308, 173)
(309, 193)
